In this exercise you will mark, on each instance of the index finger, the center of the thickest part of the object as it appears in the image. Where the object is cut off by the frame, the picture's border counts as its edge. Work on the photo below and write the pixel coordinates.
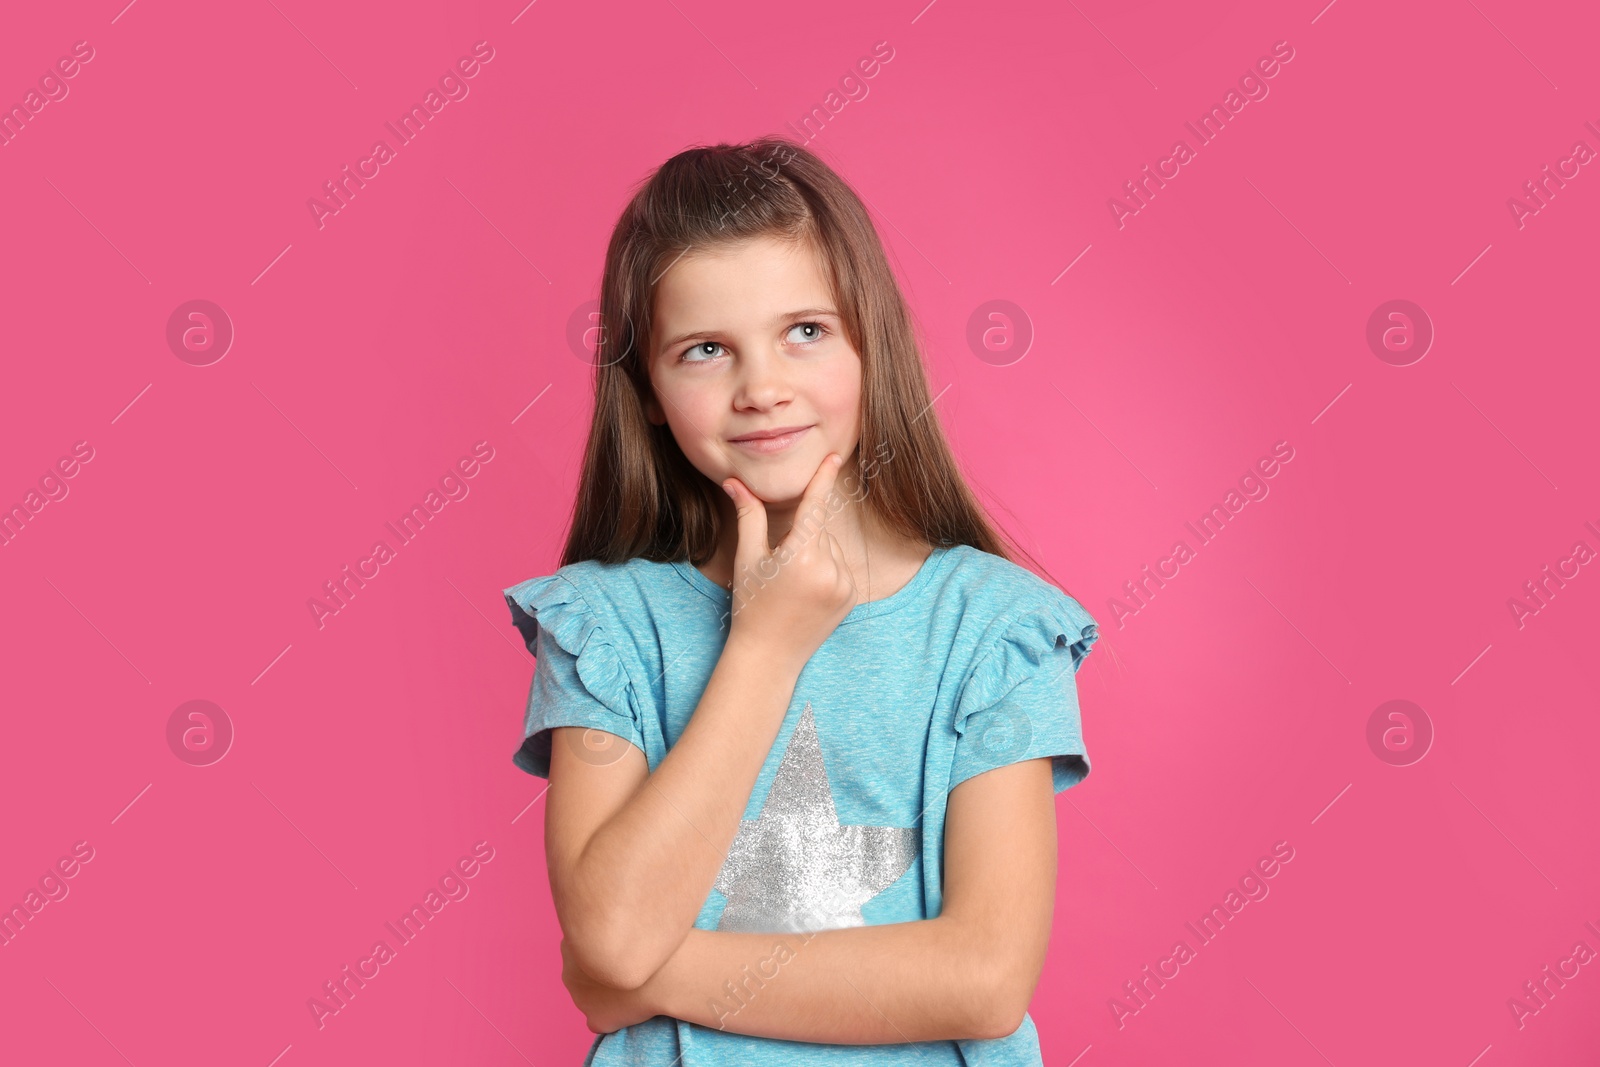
(812, 512)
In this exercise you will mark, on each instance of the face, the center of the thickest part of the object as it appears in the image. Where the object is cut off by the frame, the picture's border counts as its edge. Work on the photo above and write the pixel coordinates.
(747, 339)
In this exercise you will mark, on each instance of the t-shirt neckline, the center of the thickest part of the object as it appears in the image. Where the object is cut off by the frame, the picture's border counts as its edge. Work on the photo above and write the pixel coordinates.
(872, 609)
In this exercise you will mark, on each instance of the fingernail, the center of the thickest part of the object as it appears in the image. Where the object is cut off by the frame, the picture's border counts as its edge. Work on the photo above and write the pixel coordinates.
(726, 488)
(838, 460)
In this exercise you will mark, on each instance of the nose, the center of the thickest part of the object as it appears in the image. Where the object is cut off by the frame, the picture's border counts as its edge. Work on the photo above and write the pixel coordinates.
(762, 380)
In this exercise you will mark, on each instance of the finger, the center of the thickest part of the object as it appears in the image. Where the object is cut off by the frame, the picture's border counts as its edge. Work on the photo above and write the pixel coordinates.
(836, 550)
(813, 510)
(752, 545)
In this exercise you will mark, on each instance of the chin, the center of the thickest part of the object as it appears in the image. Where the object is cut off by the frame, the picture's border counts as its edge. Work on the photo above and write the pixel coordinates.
(780, 484)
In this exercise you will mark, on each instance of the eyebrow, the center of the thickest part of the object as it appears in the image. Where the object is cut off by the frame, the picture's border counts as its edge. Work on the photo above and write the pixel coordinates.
(785, 317)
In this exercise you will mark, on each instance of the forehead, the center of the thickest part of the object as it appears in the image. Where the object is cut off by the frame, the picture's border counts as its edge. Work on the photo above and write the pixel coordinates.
(736, 285)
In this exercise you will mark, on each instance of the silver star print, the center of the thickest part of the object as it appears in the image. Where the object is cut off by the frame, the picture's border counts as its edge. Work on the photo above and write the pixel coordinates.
(796, 869)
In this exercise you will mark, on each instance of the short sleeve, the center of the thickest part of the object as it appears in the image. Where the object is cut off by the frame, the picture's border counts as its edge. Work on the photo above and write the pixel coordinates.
(579, 679)
(1020, 701)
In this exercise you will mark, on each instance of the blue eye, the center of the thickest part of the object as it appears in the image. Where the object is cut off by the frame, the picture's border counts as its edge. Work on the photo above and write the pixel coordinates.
(711, 349)
(699, 348)
(821, 331)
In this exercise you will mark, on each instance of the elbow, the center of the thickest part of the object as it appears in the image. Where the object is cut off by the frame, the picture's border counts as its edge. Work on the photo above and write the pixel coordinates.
(1000, 1002)
(618, 961)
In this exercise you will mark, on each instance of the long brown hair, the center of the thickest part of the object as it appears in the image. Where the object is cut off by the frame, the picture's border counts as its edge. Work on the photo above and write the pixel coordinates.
(638, 495)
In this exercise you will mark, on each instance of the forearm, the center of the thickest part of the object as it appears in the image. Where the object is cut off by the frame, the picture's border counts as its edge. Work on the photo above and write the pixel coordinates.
(645, 874)
(926, 980)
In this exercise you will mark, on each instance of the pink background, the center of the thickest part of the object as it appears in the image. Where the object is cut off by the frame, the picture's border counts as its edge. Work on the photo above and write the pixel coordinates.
(1230, 313)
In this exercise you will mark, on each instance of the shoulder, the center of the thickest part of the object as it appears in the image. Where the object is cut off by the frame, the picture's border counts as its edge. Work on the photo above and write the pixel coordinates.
(983, 579)
(590, 584)
(579, 598)
(1010, 604)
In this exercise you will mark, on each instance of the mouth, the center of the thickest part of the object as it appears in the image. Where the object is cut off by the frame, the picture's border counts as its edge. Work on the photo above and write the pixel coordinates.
(765, 442)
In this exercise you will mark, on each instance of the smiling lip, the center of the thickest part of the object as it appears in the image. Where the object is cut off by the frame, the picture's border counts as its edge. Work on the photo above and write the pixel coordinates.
(775, 440)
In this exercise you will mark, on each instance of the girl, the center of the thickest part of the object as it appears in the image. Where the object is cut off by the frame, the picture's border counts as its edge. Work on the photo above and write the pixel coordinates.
(806, 716)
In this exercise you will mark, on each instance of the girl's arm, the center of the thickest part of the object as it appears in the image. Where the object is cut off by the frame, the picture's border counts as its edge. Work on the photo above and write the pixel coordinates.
(632, 854)
(967, 974)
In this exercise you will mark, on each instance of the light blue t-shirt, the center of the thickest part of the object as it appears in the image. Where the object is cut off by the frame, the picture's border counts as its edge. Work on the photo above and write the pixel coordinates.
(968, 667)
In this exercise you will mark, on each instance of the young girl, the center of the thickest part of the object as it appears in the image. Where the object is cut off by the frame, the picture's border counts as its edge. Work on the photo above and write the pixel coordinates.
(802, 717)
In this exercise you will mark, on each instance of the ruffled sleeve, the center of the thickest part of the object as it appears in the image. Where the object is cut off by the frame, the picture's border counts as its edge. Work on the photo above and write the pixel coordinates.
(1020, 700)
(579, 679)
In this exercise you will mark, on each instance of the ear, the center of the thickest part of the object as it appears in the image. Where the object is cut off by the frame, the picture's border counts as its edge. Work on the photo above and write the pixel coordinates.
(653, 412)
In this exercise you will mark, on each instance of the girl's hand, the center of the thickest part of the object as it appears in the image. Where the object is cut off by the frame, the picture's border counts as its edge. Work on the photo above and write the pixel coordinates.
(604, 1009)
(790, 597)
